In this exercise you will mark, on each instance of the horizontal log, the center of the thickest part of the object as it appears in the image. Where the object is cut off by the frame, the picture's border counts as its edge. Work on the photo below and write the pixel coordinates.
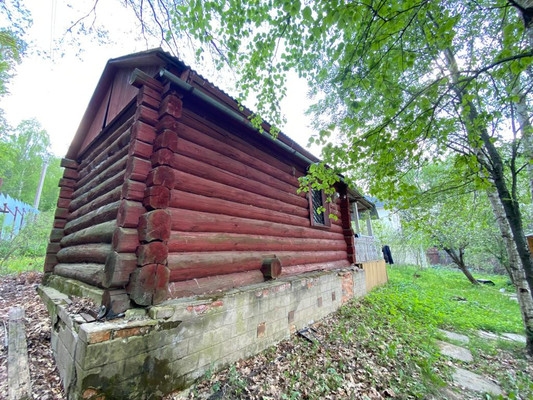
(217, 241)
(89, 273)
(102, 189)
(215, 159)
(70, 173)
(59, 223)
(147, 115)
(166, 140)
(107, 174)
(152, 253)
(118, 268)
(229, 179)
(209, 135)
(143, 132)
(321, 266)
(63, 203)
(68, 163)
(149, 285)
(139, 78)
(137, 169)
(196, 221)
(125, 240)
(98, 233)
(171, 105)
(154, 225)
(85, 253)
(193, 184)
(93, 215)
(132, 190)
(61, 213)
(184, 266)
(106, 147)
(107, 156)
(156, 197)
(69, 183)
(189, 201)
(129, 213)
(213, 284)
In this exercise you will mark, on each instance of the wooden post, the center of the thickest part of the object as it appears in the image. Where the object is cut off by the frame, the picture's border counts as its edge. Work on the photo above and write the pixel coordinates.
(18, 372)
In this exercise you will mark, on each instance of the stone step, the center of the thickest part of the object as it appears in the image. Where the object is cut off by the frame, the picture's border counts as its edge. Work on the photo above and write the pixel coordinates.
(454, 336)
(475, 382)
(455, 352)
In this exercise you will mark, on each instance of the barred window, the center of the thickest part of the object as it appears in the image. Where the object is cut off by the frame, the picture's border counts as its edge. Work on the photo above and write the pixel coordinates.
(318, 208)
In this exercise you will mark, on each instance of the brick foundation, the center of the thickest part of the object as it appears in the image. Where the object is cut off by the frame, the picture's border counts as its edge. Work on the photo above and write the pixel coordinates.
(164, 348)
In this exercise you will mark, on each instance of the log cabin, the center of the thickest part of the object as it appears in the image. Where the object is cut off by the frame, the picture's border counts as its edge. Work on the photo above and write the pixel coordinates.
(169, 192)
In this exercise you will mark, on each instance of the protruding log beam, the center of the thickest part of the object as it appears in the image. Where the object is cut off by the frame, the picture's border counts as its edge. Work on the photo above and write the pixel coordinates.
(213, 284)
(125, 240)
(68, 163)
(166, 140)
(129, 213)
(161, 176)
(154, 225)
(56, 235)
(271, 267)
(156, 197)
(116, 301)
(90, 253)
(118, 268)
(146, 114)
(152, 253)
(90, 273)
(132, 190)
(99, 233)
(143, 132)
(140, 149)
(137, 169)
(171, 105)
(149, 285)
(50, 261)
(140, 78)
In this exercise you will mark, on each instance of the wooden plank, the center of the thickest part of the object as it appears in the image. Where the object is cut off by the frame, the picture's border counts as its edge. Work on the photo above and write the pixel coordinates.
(213, 284)
(193, 184)
(197, 221)
(118, 268)
(184, 266)
(221, 241)
(18, 370)
(85, 253)
(90, 273)
(139, 78)
(98, 233)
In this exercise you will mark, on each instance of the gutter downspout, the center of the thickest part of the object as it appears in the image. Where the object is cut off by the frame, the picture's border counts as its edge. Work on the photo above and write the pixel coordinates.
(190, 90)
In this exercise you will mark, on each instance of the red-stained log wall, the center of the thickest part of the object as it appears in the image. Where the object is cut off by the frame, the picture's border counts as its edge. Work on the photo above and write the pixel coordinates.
(172, 200)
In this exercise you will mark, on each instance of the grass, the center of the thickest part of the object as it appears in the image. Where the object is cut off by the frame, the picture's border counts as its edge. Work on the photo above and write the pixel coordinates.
(16, 265)
(384, 345)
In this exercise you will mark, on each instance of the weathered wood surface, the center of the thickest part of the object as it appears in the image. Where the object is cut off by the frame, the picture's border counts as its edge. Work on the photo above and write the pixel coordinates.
(118, 268)
(185, 266)
(320, 266)
(99, 233)
(190, 201)
(197, 221)
(251, 145)
(220, 241)
(149, 284)
(205, 187)
(125, 240)
(18, 371)
(103, 188)
(98, 215)
(214, 283)
(90, 253)
(152, 253)
(129, 213)
(90, 273)
(154, 225)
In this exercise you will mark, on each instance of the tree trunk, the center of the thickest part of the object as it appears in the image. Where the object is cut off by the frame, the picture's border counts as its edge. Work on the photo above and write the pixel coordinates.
(458, 259)
(516, 273)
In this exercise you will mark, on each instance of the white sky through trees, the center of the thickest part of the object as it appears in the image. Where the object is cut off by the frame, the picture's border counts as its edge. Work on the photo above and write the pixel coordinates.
(54, 83)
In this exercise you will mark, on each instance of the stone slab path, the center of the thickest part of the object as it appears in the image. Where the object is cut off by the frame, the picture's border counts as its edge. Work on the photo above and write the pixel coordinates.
(467, 379)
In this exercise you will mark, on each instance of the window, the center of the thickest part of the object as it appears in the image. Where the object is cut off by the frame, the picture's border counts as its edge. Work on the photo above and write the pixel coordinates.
(318, 208)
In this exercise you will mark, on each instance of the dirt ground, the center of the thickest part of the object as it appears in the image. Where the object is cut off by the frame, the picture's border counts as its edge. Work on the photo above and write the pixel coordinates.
(20, 290)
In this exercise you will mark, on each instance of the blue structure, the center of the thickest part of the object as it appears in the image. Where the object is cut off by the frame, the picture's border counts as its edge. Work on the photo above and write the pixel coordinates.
(13, 215)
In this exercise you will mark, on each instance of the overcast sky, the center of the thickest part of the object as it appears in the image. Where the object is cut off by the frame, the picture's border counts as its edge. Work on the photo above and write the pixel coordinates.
(56, 88)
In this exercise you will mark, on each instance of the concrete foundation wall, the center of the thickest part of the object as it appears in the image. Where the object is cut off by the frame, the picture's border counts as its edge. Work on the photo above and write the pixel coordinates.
(154, 351)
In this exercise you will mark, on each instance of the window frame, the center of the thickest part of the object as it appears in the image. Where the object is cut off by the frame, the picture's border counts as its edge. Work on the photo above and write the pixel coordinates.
(313, 206)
